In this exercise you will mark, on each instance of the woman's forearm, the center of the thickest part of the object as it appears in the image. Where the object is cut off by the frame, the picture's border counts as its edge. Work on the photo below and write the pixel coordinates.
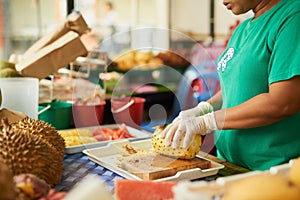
(283, 100)
(253, 113)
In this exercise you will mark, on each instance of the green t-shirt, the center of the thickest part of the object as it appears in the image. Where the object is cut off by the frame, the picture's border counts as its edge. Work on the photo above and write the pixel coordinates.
(261, 52)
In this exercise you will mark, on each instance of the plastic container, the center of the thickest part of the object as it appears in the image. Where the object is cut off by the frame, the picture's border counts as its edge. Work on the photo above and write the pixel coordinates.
(20, 94)
(128, 110)
(57, 113)
(88, 115)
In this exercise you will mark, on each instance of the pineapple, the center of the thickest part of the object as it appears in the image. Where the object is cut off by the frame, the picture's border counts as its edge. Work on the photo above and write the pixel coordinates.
(75, 137)
(76, 140)
(158, 145)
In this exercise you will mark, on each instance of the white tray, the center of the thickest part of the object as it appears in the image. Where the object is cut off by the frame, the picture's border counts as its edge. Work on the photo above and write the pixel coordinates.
(109, 156)
(139, 134)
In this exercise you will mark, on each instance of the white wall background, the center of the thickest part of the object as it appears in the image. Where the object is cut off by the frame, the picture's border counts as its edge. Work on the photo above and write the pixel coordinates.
(185, 15)
(190, 15)
(25, 19)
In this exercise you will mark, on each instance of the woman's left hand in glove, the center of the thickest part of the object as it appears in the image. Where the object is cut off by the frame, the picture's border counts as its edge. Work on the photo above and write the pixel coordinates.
(186, 128)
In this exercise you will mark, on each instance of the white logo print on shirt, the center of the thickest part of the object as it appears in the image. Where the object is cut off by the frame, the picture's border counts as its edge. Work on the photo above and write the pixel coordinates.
(227, 56)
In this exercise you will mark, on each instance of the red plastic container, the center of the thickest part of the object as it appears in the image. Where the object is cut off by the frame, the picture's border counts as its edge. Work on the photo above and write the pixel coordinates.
(128, 110)
(88, 115)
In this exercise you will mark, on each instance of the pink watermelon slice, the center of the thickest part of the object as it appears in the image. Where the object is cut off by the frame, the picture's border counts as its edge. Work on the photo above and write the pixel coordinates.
(143, 190)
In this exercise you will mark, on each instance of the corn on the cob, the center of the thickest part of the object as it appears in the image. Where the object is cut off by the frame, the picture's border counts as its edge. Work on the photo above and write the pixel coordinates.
(158, 145)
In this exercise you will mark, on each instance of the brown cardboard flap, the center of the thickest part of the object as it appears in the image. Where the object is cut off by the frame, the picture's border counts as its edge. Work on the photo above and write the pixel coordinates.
(45, 40)
(53, 56)
(74, 22)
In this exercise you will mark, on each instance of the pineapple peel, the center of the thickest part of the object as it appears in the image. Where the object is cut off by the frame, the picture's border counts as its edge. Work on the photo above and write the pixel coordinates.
(158, 145)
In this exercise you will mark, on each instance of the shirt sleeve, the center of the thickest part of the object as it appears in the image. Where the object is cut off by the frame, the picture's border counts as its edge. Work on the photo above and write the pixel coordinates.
(285, 58)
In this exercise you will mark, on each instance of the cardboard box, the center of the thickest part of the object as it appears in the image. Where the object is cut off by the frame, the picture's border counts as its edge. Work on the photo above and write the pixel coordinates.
(55, 50)
(56, 55)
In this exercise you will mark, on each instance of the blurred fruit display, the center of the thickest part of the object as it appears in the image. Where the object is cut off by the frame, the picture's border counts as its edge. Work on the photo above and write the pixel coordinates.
(149, 61)
(140, 60)
(172, 59)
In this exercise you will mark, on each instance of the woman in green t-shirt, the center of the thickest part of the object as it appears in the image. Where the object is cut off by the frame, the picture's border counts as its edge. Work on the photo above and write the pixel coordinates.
(256, 115)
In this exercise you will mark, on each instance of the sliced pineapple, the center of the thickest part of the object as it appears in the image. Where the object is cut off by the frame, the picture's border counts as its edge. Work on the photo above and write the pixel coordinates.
(75, 137)
(158, 145)
(76, 132)
(76, 140)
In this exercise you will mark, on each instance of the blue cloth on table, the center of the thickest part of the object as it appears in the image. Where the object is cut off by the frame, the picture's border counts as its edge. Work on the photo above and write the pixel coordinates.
(77, 166)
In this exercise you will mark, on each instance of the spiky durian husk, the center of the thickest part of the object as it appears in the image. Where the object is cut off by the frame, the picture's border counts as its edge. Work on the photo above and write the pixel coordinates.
(45, 131)
(24, 152)
(7, 186)
(158, 145)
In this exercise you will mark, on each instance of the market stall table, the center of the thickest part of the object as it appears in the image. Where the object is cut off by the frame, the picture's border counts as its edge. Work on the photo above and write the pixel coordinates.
(77, 166)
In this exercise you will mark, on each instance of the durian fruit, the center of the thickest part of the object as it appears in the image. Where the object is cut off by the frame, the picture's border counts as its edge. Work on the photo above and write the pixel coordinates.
(7, 65)
(264, 187)
(24, 152)
(8, 69)
(7, 186)
(31, 186)
(9, 73)
(158, 145)
(45, 131)
(294, 174)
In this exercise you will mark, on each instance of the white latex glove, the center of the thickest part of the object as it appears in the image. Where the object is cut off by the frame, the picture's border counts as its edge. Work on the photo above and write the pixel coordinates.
(189, 127)
(201, 109)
